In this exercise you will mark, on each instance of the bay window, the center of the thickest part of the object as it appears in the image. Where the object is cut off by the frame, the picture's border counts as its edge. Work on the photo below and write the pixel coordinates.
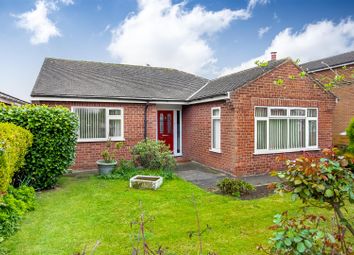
(100, 124)
(215, 129)
(282, 129)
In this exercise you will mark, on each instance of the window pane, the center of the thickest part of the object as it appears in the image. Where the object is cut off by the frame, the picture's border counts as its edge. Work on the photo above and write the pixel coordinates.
(278, 129)
(297, 133)
(115, 128)
(216, 134)
(297, 112)
(178, 132)
(312, 112)
(261, 112)
(92, 122)
(312, 132)
(115, 112)
(216, 112)
(261, 134)
(278, 112)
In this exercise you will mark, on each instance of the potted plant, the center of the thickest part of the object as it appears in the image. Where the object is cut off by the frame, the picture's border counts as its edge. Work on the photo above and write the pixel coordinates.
(108, 163)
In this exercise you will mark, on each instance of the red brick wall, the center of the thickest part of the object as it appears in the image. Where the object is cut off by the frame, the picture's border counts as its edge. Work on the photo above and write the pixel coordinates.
(344, 110)
(197, 135)
(237, 122)
(87, 153)
(263, 92)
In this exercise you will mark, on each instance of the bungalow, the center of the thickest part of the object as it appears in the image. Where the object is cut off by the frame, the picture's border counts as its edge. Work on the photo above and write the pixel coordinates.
(238, 123)
(324, 70)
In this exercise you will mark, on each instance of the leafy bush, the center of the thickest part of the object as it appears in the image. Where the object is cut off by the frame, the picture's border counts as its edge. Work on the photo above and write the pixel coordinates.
(15, 203)
(150, 154)
(127, 170)
(324, 180)
(301, 235)
(54, 132)
(350, 134)
(234, 187)
(14, 142)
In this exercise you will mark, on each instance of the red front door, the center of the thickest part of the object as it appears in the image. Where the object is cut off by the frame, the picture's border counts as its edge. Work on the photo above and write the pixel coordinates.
(165, 127)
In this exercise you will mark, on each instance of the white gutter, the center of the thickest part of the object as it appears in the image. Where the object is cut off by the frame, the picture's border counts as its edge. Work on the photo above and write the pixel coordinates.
(175, 102)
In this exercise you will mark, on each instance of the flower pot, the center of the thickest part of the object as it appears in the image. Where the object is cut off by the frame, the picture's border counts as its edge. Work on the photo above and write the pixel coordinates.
(105, 168)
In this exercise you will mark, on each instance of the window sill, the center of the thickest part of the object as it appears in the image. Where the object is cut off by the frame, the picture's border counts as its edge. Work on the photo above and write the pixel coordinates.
(286, 151)
(100, 140)
(215, 150)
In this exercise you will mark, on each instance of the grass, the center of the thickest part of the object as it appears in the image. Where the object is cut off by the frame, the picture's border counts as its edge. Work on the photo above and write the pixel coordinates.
(86, 209)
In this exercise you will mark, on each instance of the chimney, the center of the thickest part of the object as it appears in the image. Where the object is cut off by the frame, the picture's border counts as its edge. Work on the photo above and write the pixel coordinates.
(273, 55)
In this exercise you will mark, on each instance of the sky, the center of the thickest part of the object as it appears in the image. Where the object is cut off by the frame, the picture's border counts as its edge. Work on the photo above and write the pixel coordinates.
(206, 37)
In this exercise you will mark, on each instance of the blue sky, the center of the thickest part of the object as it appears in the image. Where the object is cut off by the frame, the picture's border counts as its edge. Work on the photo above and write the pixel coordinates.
(209, 37)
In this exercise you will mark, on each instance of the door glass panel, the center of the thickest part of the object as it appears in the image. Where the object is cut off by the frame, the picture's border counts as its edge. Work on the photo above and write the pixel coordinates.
(161, 123)
(169, 123)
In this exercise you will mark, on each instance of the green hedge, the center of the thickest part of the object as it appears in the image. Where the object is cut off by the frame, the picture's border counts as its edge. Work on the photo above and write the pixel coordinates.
(54, 132)
(14, 205)
(14, 142)
(350, 134)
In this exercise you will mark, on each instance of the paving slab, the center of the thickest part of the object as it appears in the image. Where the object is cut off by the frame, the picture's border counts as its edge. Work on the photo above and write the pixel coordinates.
(207, 178)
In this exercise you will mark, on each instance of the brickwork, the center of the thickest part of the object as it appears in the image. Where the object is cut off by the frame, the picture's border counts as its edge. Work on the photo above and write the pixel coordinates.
(344, 110)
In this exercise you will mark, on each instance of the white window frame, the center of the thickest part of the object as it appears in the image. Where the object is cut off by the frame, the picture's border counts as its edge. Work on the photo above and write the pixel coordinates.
(108, 118)
(214, 149)
(288, 117)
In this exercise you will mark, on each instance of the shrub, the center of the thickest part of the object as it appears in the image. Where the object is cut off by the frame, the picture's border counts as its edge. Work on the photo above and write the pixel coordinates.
(350, 134)
(54, 132)
(302, 235)
(15, 203)
(127, 170)
(323, 180)
(14, 142)
(150, 154)
(234, 187)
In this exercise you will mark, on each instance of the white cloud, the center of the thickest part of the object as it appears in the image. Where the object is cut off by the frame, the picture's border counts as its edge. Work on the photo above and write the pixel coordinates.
(37, 21)
(67, 2)
(167, 34)
(262, 31)
(314, 41)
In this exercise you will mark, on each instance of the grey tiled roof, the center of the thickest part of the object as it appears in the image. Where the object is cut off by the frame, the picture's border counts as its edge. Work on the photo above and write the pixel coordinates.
(228, 83)
(11, 99)
(68, 78)
(340, 59)
(85, 79)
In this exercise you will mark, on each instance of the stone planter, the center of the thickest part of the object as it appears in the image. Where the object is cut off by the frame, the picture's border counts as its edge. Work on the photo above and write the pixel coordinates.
(146, 182)
(105, 168)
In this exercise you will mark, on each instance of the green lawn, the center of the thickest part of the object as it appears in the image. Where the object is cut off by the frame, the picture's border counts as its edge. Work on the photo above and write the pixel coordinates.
(84, 210)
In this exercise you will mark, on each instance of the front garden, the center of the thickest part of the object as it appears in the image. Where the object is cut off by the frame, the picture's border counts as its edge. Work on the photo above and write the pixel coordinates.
(83, 210)
(89, 214)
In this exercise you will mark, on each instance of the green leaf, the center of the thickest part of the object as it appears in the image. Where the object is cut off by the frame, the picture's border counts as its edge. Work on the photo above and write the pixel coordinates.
(308, 243)
(329, 193)
(297, 239)
(297, 182)
(300, 247)
(287, 242)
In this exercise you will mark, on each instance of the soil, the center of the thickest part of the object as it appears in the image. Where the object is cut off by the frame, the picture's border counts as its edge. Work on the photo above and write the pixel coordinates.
(261, 191)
